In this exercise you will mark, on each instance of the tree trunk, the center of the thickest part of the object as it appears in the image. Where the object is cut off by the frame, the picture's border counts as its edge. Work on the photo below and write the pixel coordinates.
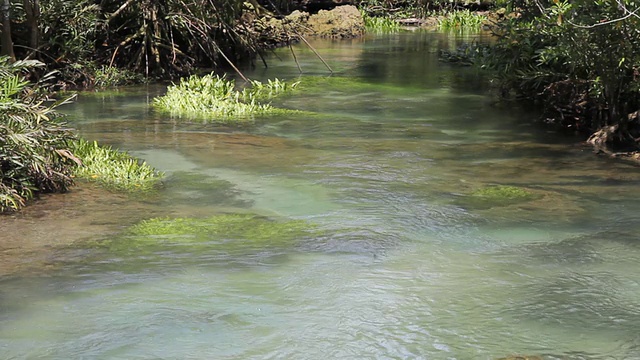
(6, 41)
(32, 11)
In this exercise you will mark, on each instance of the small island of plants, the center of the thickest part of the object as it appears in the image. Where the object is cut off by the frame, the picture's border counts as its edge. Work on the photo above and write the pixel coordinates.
(214, 98)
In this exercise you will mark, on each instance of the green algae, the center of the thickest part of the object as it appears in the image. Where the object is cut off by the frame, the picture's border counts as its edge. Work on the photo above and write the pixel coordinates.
(227, 233)
(497, 196)
(350, 85)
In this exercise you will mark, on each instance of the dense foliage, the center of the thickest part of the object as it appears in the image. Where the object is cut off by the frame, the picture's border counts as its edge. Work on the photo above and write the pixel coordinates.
(34, 143)
(40, 154)
(579, 59)
(419, 8)
(154, 38)
(461, 21)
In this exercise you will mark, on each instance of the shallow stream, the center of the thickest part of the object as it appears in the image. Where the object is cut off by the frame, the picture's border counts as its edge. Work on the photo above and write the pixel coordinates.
(403, 261)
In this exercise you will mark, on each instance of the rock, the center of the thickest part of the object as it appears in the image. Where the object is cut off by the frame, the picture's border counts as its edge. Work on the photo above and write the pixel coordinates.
(297, 17)
(343, 22)
(314, 6)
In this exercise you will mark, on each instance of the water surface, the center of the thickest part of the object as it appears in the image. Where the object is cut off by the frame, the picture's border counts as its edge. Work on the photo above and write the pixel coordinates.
(405, 266)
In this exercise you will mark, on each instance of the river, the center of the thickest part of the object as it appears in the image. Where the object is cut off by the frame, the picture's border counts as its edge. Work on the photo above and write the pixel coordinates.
(404, 261)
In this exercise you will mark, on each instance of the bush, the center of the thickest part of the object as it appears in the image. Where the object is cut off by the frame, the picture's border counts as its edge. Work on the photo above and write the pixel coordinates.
(34, 142)
(580, 60)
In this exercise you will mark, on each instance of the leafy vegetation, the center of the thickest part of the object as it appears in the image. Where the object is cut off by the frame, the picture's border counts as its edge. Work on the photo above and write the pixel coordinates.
(34, 142)
(462, 21)
(579, 60)
(423, 8)
(214, 98)
(153, 38)
(113, 169)
(379, 24)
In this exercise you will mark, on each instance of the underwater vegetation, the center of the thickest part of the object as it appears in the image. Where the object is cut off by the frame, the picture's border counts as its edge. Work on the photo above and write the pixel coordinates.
(228, 233)
(498, 195)
(202, 190)
(315, 84)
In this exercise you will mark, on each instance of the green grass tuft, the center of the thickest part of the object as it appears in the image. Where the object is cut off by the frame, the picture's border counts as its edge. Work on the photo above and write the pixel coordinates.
(379, 24)
(213, 98)
(462, 21)
(113, 169)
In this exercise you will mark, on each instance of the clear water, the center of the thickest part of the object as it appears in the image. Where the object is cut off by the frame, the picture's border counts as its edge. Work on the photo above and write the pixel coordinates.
(409, 270)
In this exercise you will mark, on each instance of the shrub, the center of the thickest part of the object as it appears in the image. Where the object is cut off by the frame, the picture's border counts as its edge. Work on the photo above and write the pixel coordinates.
(34, 142)
(578, 59)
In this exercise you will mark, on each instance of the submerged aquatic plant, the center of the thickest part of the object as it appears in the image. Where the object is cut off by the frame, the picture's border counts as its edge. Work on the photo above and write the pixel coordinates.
(112, 168)
(462, 20)
(499, 195)
(223, 232)
(213, 98)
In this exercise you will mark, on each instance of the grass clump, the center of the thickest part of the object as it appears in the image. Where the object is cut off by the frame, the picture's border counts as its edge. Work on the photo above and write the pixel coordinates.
(109, 76)
(461, 21)
(214, 98)
(379, 24)
(113, 169)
